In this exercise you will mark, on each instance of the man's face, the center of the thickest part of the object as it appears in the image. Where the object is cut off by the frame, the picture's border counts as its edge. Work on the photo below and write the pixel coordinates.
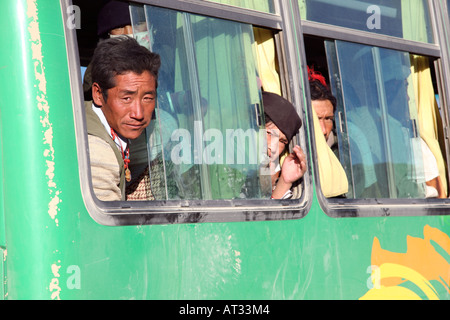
(324, 110)
(130, 104)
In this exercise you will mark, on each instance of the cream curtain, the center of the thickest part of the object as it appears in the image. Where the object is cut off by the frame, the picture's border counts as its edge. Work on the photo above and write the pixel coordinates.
(266, 60)
(227, 78)
(333, 180)
(428, 113)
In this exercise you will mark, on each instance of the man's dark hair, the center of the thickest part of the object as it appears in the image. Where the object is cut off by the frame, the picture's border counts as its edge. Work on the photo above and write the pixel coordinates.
(320, 92)
(120, 55)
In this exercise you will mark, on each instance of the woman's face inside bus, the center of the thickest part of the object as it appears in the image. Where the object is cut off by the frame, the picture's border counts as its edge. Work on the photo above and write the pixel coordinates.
(130, 104)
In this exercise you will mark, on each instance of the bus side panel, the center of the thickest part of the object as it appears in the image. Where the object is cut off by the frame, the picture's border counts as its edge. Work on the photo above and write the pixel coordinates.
(317, 257)
(3, 252)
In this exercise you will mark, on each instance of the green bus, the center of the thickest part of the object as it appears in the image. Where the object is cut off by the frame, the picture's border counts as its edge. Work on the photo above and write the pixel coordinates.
(363, 226)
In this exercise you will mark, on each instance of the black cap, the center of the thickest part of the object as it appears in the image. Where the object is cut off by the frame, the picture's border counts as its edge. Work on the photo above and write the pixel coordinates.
(114, 14)
(282, 113)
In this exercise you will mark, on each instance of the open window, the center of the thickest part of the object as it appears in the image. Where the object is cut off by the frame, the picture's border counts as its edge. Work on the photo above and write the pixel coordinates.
(390, 115)
(381, 125)
(206, 145)
(203, 143)
(388, 136)
(390, 18)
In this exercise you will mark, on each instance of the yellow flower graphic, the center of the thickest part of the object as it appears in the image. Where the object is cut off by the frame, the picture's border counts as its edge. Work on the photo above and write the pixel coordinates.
(421, 264)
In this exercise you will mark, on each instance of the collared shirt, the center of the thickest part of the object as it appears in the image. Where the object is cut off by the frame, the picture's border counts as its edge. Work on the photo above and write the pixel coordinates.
(121, 144)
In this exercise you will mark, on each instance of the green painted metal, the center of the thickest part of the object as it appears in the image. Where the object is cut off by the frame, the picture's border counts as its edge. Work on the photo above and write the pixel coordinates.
(55, 250)
(40, 184)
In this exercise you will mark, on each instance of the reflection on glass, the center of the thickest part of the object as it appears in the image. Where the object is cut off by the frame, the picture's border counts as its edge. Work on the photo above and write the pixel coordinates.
(408, 19)
(381, 119)
(203, 142)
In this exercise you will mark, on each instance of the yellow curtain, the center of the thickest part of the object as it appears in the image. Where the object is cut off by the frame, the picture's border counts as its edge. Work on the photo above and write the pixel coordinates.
(266, 60)
(428, 113)
(333, 179)
(414, 27)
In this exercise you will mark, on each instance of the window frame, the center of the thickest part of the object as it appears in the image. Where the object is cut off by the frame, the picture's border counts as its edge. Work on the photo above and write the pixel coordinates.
(196, 211)
(439, 51)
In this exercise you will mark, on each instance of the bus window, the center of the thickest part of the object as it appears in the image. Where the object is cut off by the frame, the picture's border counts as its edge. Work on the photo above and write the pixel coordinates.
(197, 150)
(387, 131)
(403, 19)
(206, 140)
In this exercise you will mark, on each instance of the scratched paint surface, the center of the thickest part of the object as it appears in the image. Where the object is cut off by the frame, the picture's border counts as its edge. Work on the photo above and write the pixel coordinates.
(38, 237)
(42, 104)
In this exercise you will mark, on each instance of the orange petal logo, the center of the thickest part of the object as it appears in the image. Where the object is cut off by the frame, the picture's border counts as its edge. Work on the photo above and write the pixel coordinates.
(423, 262)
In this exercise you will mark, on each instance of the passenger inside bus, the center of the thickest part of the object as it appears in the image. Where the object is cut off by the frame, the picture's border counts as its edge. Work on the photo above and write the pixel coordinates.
(324, 104)
(363, 144)
(156, 175)
(123, 73)
(113, 20)
(332, 176)
(282, 123)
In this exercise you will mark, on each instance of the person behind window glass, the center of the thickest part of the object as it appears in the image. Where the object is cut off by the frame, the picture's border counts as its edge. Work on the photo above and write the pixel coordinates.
(114, 21)
(124, 76)
(324, 105)
(282, 123)
(434, 187)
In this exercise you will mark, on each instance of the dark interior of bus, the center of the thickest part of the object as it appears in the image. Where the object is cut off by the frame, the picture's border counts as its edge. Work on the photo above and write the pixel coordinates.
(87, 33)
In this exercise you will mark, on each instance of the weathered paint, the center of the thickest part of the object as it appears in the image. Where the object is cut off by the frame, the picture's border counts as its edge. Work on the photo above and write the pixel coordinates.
(55, 250)
(42, 104)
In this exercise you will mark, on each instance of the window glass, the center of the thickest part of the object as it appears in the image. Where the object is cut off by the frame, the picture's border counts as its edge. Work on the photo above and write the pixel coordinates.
(408, 19)
(204, 141)
(259, 5)
(380, 144)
